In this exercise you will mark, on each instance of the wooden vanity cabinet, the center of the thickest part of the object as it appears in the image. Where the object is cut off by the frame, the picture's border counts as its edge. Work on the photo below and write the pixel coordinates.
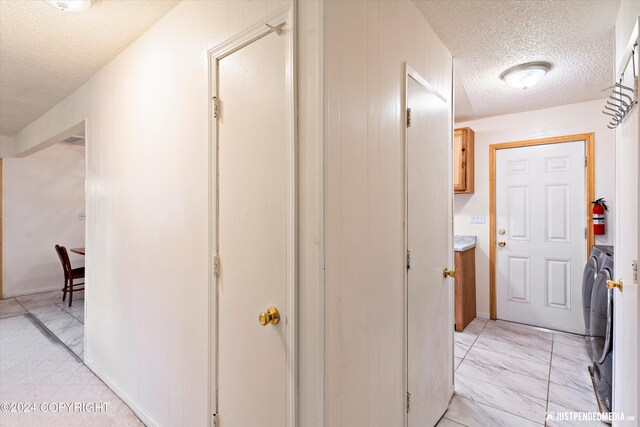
(463, 173)
(465, 288)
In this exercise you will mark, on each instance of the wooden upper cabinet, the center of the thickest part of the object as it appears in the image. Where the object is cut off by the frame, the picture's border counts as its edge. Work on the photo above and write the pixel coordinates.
(463, 160)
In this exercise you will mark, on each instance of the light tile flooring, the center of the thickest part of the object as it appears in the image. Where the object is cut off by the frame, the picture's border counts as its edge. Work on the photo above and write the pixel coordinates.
(67, 323)
(508, 374)
(37, 368)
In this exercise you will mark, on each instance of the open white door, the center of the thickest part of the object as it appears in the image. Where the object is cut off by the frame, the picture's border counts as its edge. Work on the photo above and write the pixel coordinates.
(429, 238)
(625, 301)
(255, 223)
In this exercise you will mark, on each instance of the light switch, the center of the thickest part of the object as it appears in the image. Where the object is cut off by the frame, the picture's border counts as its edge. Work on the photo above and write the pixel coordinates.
(478, 219)
(82, 216)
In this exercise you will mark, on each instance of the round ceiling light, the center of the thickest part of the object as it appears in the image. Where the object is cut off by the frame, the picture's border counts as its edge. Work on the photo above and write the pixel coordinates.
(525, 75)
(70, 5)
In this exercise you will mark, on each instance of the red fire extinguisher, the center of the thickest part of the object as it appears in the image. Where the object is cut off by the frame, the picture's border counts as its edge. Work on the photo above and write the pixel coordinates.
(599, 207)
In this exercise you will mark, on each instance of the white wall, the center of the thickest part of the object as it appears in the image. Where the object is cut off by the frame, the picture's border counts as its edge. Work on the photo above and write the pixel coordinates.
(42, 196)
(366, 44)
(6, 146)
(570, 119)
(626, 20)
(147, 328)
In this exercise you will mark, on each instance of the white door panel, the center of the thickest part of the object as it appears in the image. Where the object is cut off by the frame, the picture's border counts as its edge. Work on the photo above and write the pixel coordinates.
(253, 226)
(540, 208)
(429, 240)
(625, 304)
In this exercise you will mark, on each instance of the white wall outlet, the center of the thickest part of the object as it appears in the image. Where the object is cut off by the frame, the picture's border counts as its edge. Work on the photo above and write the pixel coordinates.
(82, 216)
(478, 219)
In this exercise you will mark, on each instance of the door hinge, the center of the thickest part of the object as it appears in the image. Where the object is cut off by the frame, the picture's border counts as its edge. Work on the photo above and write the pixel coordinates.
(408, 401)
(585, 232)
(634, 269)
(408, 117)
(585, 162)
(215, 420)
(216, 267)
(408, 260)
(216, 106)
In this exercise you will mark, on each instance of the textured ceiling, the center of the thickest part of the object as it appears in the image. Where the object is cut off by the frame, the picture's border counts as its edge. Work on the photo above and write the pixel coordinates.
(45, 54)
(488, 36)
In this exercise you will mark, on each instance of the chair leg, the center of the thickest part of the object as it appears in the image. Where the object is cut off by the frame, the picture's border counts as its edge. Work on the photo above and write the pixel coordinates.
(70, 291)
(64, 290)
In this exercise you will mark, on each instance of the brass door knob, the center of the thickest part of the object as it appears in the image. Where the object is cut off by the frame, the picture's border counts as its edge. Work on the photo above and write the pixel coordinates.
(612, 285)
(501, 231)
(272, 315)
(448, 273)
(502, 243)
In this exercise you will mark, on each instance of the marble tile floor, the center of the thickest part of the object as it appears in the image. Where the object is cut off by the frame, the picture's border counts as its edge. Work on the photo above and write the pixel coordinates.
(37, 369)
(67, 323)
(508, 374)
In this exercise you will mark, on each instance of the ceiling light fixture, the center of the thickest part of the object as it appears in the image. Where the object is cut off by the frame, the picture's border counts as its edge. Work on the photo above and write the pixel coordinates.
(525, 75)
(70, 5)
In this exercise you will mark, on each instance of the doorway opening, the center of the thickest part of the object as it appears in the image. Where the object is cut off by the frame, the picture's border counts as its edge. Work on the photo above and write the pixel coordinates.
(44, 207)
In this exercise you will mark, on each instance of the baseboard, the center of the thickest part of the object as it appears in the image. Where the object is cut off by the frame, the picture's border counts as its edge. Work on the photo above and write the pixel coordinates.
(146, 419)
(32, 292)
(483, 315)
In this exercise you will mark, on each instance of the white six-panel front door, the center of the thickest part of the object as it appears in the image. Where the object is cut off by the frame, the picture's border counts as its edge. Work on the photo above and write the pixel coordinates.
(541, 235)
(254, 196)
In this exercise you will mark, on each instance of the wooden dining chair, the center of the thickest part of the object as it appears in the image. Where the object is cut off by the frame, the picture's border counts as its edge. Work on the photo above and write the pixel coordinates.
(70, 274)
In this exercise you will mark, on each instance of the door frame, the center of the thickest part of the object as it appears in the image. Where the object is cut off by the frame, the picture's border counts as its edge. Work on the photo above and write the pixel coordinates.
(589, 141)
(411, 73)
(281, 21)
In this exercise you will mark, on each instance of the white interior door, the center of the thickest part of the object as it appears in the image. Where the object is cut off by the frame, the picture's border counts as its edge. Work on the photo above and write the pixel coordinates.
(429, 242)
(625, 304)
(541, 235)
(254, 233)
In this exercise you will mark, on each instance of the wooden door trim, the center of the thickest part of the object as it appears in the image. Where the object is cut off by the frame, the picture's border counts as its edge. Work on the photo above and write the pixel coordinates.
(281, 21)
(589, 140)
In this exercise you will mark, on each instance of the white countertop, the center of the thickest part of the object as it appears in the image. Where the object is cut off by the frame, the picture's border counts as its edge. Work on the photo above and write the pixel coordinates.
(463, 243)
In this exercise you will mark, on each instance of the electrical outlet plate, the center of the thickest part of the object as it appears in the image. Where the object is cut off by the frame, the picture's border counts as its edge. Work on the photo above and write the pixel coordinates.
(478, 219)
(82, 216)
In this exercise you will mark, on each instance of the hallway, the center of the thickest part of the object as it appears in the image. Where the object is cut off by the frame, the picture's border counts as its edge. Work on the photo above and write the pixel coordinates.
(508, 374)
